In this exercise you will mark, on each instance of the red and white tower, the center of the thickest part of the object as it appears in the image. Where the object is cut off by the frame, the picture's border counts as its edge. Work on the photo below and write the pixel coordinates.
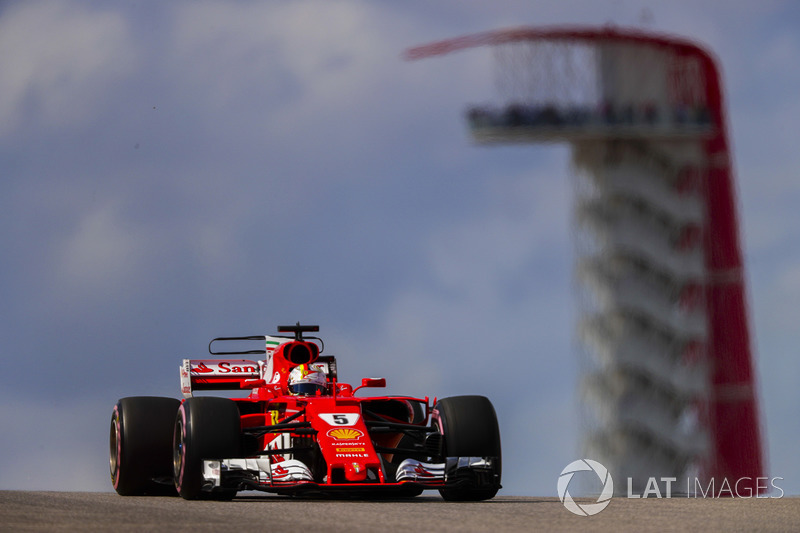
(668, 383)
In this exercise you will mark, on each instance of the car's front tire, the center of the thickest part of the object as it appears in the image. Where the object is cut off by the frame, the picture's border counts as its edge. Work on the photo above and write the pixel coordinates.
(140, 445)
(205, 428)
(469, 428)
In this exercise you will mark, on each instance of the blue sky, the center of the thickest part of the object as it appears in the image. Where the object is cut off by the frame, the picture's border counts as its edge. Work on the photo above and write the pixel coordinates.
(178, 171)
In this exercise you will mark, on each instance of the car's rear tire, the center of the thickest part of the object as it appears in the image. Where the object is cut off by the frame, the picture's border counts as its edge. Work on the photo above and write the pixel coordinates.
(140, 445)
(469, 428)
(205, 428)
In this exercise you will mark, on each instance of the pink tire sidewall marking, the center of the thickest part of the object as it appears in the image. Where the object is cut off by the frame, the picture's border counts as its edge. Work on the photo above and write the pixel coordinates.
(118, 434)
(179, 475)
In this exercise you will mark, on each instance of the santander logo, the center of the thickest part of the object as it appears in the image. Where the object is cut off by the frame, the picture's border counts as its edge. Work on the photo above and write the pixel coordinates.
(225, 367)
(201, 369)
(279, 472)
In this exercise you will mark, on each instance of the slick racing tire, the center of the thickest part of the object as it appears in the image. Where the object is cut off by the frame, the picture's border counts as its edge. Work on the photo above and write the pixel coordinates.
(205, 428)
(469, 429)
(140, 445)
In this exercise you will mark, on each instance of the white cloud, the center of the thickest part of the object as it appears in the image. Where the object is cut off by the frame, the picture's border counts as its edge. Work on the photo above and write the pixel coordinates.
(311, 81)
(57, 58)
(104, 250)
(525, 216)
(317, 54)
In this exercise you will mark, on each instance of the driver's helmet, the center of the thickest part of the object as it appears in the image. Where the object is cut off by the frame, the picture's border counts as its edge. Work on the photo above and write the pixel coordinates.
(306, 381)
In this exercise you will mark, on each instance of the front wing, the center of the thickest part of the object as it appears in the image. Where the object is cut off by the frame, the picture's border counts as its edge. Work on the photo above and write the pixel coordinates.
(292, 477)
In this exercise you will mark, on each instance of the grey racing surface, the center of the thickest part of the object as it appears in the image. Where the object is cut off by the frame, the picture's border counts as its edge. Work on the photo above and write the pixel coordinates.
(87, 511)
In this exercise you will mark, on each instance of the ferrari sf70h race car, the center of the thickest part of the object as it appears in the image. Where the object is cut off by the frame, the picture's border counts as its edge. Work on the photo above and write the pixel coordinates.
(299, 432)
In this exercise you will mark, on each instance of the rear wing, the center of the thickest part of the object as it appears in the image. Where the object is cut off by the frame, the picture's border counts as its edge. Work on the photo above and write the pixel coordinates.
(237, 374)
(281, 354)
(218, 374)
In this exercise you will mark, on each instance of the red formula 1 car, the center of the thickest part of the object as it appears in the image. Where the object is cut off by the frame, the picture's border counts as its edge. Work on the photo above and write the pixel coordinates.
(300, 431)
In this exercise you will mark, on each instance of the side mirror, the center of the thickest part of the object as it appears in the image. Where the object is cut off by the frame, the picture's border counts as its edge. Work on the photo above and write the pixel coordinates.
(373, 382)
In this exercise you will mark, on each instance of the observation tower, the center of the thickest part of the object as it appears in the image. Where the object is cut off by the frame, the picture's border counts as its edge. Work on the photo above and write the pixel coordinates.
(667, 380)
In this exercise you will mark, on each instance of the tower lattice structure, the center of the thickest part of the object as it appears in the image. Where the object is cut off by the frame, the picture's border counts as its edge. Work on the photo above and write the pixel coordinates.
(667, 384)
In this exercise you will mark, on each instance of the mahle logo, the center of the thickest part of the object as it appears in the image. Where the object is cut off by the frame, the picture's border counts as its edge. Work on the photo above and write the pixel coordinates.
(585, 509)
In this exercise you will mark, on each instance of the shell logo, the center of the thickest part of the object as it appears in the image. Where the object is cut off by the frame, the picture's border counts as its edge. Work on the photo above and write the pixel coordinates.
(345, 434)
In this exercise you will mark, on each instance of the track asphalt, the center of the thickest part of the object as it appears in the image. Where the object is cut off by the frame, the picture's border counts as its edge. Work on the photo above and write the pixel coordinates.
(252, 511)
